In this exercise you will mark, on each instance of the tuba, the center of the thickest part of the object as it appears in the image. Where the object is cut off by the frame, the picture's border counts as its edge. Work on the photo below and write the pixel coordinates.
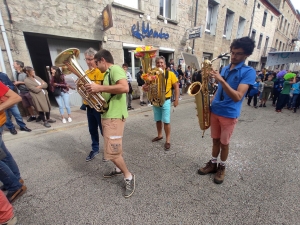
(201, 93)
(154, 77)
(67, 60)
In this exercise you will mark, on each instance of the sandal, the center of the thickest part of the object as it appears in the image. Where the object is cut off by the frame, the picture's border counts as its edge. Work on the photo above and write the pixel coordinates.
(167, 146)
(157, 139)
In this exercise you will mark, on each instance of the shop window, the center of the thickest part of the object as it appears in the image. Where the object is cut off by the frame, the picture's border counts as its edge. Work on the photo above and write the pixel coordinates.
(287, 30)
(285, 22)
(167, 9)
(264, 19)
(279, 47)
(228, 24)
(259, 41)
(281, 22)
(241, 27)
(132, 3)
(211, 17)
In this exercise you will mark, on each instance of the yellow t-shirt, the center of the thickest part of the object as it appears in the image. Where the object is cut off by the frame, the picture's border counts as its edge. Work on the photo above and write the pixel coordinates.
(172, 79)
(96, 76)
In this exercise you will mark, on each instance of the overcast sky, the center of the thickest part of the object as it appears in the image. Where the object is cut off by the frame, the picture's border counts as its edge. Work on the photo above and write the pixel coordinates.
(296, 4)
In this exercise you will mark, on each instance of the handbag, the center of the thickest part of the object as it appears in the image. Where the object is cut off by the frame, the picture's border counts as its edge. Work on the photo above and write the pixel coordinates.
(57, 91)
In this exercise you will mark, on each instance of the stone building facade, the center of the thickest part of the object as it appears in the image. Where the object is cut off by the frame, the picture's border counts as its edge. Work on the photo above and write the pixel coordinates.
(286, 34)
(264, 25)
(38, 30)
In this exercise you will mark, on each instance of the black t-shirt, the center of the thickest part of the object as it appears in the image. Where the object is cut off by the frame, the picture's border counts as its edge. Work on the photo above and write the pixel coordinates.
(139, 79)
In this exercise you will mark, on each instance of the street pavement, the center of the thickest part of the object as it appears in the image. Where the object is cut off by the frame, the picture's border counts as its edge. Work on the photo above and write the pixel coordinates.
(261, 184)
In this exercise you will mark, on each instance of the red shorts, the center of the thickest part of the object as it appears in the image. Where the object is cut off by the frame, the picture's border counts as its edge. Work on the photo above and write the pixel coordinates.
(222, 128)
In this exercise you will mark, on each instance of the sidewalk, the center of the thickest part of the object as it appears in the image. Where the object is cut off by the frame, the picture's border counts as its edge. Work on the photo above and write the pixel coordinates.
(78, 117)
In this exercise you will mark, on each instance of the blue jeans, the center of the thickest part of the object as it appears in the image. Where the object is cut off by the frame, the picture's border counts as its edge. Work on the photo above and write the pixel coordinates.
(63, 100)
(9, 171)
(293, 101)
(94, 121)
(16, 113)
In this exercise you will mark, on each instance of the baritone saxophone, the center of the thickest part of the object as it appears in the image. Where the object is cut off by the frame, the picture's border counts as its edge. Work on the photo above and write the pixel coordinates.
(201, 93)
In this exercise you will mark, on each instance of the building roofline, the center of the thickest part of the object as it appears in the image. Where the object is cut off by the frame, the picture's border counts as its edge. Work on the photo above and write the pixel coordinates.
(296, 12)
(271, 7)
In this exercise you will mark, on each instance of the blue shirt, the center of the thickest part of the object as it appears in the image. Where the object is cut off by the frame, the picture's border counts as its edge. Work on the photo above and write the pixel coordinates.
(241, 74)
(6, 81)
(254, 89)
(296, 88)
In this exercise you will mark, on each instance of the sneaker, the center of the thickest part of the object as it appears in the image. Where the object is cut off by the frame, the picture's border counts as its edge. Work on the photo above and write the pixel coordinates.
(260, 105)
(64, 120)
(255, 107)
(264, 105)
(12, 221)
(69, 119)
(13, 131)
(112, 173)
(51, 121)
(32, 118)
(91, 156)
(209, 168)
(141, 104)
(219, 177)
(129, 187)
(104, 159)
(149, 105)
(38, 119)
(46, 124)
(180, 98)
(13, 195)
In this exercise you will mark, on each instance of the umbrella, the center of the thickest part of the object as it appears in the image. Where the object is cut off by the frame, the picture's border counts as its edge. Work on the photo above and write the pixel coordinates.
(289, 76)
(281, 74)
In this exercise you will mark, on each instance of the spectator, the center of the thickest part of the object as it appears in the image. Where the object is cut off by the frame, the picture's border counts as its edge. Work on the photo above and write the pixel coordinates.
(268, 86)
(39, 94)
(284, 94)
(140, 82)
(254, 92)
(63, 99)
(129, 79)
(295, 96)
(14, 110)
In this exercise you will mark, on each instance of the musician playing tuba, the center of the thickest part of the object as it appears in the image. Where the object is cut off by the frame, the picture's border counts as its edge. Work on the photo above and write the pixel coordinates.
(162, 113)
(233, 83)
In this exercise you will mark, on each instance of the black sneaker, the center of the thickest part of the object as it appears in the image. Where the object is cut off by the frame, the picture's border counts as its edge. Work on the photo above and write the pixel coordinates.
(129, 187)
(38, 119)
(13, 195)
(264, 105)
(112, 173)
(13, 131)
(91, 156)
(32, 118)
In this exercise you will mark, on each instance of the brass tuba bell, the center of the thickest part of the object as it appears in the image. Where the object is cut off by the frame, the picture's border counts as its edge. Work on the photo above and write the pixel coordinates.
(67, 60)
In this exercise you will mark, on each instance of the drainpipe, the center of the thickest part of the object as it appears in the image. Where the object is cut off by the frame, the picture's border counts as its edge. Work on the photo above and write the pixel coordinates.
(195, 23)
(2, 62)
(7, 46)
(252, 18)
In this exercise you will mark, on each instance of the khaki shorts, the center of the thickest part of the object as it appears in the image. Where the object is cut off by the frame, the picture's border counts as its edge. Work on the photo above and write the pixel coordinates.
(113, 133)
(222, 128)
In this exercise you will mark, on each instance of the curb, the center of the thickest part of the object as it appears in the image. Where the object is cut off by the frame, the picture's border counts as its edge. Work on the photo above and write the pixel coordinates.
(8, 137)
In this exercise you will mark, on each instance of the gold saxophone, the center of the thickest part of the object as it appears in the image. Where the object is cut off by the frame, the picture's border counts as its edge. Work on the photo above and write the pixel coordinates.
(67, 60)
(157, 87)
(201, 93)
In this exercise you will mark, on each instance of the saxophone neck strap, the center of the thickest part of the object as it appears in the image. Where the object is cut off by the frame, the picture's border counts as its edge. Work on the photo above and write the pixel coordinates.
(166, 81)
(110, 83)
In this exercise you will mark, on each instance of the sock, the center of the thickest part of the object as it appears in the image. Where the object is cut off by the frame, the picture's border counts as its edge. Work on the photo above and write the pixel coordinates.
(129, 178)
(222, 163)
(214, 159)
(118, 170)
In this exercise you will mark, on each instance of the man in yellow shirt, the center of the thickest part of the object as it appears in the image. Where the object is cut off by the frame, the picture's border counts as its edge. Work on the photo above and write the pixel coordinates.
(162, 114)
(93, 117)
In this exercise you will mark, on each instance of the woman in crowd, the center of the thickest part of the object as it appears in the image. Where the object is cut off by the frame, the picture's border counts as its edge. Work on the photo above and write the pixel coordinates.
(38, 91)
(62, 96)
(285, 94)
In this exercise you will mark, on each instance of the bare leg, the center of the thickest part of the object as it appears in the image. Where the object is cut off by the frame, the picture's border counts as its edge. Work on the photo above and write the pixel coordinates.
(159, 129)
(120, 163)
(216, 148)
(167, 128)
(224, 152)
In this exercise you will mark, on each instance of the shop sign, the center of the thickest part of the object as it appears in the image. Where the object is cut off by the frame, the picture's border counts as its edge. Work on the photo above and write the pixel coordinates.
(195, 32)
(107, 18)
(145, 31)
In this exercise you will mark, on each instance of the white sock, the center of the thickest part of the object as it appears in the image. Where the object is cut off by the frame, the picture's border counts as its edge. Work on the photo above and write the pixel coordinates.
(118, 170)
(223, 163)
(128, 178)
(214, 159)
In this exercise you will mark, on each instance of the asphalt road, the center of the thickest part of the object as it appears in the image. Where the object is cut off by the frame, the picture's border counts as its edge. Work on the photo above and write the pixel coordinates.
(261, 184)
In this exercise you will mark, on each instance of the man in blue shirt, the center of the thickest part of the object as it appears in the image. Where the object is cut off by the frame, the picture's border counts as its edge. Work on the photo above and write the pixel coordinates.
(226, 104)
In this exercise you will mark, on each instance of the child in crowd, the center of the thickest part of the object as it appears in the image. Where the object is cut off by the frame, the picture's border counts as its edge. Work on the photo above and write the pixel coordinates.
(260, 90)
(254, 92)
(284, 94)
(268, 86)
(295, 96)
(181, 82)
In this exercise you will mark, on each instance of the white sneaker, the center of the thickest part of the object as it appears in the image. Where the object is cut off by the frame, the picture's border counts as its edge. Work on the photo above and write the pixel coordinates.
(180, 98)
(149, 105)
(64, 120)
(70, 119)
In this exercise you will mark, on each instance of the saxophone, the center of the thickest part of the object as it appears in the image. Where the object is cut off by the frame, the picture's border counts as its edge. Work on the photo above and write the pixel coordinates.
(201, 93)
(67, 60)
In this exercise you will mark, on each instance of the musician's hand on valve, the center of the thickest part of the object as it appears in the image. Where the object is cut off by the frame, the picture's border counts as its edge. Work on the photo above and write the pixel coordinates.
(215, 74)
(145, 87)
(93, 88)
